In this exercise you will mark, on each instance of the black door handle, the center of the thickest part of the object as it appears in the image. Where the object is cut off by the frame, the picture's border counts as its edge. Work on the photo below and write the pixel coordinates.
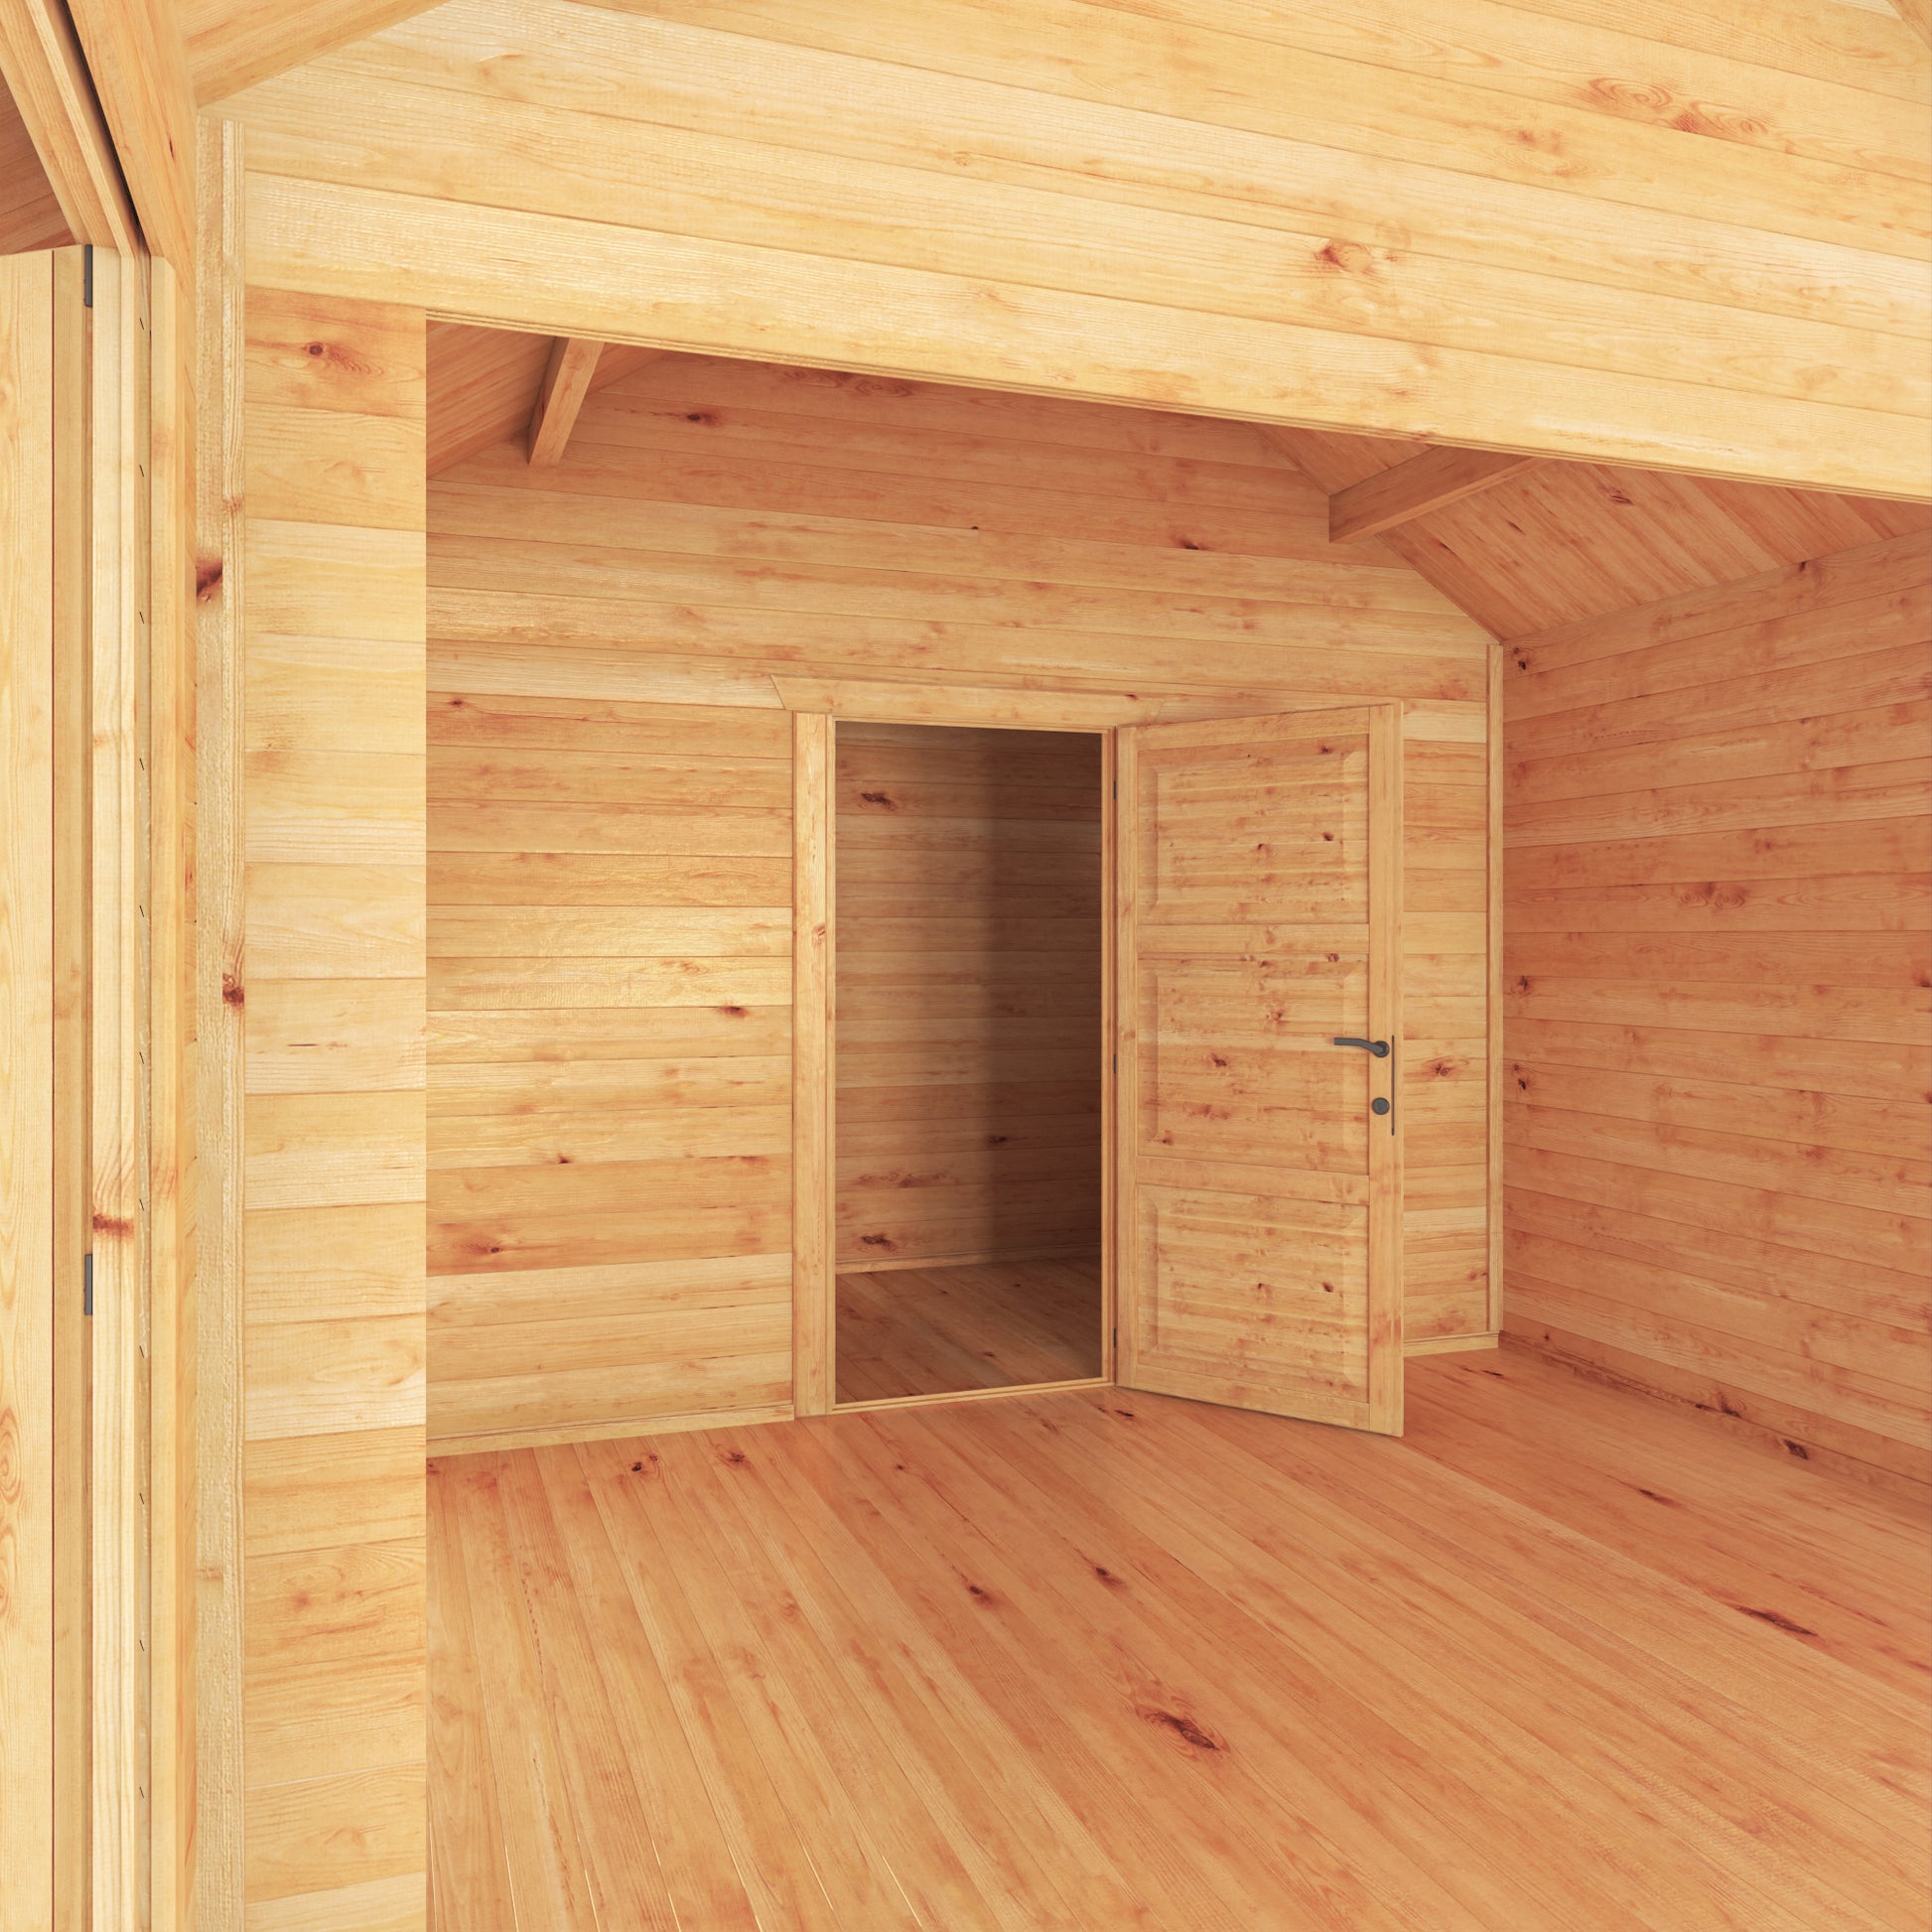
(1379, 1048)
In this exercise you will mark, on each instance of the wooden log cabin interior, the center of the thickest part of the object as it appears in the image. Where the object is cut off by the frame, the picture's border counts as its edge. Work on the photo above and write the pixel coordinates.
(966, 964)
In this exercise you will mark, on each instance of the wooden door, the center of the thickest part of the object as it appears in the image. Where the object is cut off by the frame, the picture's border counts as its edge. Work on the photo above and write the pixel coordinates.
(1260, 1195)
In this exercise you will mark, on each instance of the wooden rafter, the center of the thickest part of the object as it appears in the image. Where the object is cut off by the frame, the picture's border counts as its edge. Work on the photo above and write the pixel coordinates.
(566, 382)
(47, 73)
(233, 44)
(1413, 488)
(1916, 14)
(140, 77)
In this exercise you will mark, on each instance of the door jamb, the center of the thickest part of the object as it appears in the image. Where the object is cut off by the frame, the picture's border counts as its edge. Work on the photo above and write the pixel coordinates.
(814, 1042)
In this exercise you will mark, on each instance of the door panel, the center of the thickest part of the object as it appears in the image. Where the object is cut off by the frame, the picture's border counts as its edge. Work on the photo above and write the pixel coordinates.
(1260, 1195)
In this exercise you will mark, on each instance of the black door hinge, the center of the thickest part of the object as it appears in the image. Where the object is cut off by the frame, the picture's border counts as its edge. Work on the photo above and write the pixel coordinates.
(86, 1284)
(87, 276)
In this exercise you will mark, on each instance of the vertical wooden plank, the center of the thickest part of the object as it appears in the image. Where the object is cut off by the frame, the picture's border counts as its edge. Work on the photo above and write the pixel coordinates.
(1385, 975)
(814, 1288)
(219, 1019)
(1494, 1104)
(171, 1024)
(72, 1174)
(1125, 1273)
(1110, 1247)
(118, 1082)
(27, 1127)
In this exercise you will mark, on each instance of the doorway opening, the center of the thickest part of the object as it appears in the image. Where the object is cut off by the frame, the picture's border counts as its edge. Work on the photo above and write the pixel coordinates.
(968, 1036)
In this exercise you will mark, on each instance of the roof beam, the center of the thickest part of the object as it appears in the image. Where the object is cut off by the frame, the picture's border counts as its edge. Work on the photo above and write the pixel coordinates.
(1430, 482)
(140, 76)
(47, 75)
(233, 44)
(1916, 14)
(566, 382)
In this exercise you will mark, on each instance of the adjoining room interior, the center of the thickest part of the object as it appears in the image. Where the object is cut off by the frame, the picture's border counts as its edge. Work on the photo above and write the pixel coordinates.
(616, 640)
(967, 1041)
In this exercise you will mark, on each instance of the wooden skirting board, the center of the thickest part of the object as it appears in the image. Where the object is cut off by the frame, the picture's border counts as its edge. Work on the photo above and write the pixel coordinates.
(1451, 1345)
(443, 1446)
(620, 1430)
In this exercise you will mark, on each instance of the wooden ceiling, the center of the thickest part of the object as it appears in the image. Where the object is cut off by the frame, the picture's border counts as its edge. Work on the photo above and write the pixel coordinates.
(1551, 544)
(1562, 541)
(484, 385)
(1547, 545)
(30, 214)
(232, 44)
(1688, 236)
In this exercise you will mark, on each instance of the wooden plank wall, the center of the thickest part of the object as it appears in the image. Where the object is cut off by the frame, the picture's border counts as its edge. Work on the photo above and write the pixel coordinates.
(609, 1052)
(967, 884)
(332, 1496)
(732, 534)
(1687, 238)
(1718, 910)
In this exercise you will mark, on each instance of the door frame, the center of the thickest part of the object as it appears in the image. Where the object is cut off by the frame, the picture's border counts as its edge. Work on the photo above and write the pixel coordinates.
(814, 1044)
(814, 1040)
(96, 1315)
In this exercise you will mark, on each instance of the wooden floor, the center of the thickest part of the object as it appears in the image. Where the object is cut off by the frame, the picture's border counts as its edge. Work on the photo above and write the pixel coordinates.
(1094, 1660)
(989, 1325)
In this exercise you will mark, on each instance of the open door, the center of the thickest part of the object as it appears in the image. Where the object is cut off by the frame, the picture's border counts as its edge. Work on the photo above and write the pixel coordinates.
(1260, 1194)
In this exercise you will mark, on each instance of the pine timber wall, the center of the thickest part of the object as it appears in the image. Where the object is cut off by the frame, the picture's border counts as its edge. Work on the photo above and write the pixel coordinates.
(734, 536)
(967, 882)
(1719, 886)
(332, 1492)
(610, 1050)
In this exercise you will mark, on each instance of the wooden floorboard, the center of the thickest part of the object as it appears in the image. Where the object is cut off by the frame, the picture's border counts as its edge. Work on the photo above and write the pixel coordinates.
(1096, 1659)
(991, 1324)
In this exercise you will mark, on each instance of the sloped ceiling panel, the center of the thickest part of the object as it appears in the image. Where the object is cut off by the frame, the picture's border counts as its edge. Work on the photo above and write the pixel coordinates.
(30, 216)
(484, 383)
(1561, 542)
(1570, 540)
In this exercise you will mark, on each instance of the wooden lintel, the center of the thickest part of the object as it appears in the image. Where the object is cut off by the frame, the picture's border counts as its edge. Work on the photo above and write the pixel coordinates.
(1413, 488)
(566, 382)
(47, 73)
